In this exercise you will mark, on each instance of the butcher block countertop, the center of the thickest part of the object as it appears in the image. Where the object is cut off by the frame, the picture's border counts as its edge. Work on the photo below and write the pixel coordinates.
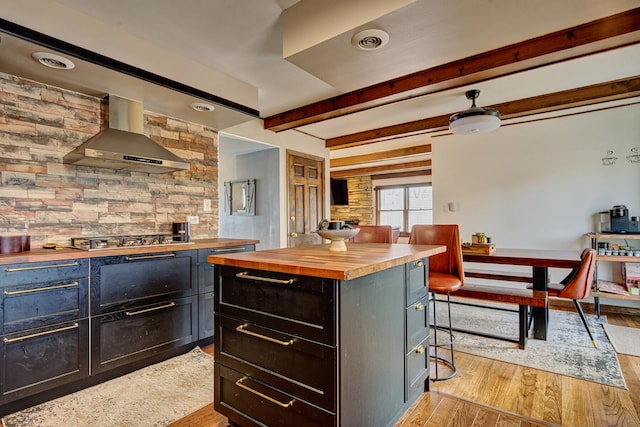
(41, 255)
(359, 260)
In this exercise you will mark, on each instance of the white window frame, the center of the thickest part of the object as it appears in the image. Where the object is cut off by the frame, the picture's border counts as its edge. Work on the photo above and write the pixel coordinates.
(405, 226)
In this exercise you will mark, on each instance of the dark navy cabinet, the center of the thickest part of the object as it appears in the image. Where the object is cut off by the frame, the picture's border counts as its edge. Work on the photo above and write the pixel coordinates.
(44, 326)
(126, 281)
(206, 295)
(64, 322)
(311, 351)
(142, 304)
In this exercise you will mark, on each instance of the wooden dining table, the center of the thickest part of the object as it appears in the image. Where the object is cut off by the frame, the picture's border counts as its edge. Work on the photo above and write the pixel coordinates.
(540, 261)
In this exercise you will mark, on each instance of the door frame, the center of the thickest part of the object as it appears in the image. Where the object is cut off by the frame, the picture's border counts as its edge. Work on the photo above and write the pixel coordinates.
(289, 180)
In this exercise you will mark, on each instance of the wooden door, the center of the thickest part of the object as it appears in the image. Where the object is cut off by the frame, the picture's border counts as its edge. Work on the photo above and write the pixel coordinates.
(306, 198)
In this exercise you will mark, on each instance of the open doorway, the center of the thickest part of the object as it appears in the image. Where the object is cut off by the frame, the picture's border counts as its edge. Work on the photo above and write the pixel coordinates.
(239, 160)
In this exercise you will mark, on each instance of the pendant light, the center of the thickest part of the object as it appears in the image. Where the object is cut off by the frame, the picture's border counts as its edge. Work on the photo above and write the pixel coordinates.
(475, 119)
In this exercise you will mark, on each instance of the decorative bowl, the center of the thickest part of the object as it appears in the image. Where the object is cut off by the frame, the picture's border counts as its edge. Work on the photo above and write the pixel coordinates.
(338, 237)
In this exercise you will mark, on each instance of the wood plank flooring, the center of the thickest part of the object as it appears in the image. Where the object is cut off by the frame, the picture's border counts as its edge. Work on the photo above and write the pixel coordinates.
(488, 392)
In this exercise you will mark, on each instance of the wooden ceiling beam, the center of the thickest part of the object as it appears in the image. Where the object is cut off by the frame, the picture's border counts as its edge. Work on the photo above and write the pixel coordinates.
(571, 98)
(596, 36)
(375, 170)
(381, 155)
(407, 174)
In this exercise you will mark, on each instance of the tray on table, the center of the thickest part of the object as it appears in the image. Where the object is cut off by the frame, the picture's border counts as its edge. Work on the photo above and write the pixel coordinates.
(479, 248)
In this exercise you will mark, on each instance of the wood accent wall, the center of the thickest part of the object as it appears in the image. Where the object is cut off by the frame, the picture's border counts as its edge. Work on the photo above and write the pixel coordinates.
(52, 201)
(360, 202)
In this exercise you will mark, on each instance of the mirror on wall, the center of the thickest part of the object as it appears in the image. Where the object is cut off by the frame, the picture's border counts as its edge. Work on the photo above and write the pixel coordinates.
(240, 197)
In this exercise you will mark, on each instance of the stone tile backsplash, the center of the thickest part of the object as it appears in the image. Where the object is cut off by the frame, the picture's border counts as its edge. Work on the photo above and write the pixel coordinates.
(53, 202)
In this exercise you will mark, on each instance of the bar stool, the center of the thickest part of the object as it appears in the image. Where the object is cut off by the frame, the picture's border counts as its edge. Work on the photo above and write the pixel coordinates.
(446, 275)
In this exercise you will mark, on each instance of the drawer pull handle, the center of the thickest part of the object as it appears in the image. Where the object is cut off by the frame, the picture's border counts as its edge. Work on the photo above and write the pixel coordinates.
(245, 275)
(420, 349)
(146, 310)
(136, 258)
(228, 250)
(40, 267)
(264, 396)
(39, 334)
(48, 288)
(244, 330)
(419, 306)
(419, 263)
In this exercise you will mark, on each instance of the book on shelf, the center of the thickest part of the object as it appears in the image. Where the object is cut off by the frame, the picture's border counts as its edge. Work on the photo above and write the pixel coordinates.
(612, 287)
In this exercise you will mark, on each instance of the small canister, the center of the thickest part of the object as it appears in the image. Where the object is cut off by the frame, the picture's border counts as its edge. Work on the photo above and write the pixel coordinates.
(602, 248)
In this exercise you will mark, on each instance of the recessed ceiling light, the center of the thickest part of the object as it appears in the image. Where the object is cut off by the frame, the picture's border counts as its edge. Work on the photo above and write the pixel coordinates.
(52, 60)
(370, 39)
(203, 107)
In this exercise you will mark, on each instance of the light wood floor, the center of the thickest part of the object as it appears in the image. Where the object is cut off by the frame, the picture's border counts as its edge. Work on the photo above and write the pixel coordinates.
(487, 392)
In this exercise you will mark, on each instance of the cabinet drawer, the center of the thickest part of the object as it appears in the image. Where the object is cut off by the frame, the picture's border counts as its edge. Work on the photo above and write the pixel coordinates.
(39, 272)
(248, 402)
(205, 270)
(417, 323)
(299, 305)
(129, 335)
(417, 367)
(39, 359)
(299, 367)
(204, 253)
(122, 281)
(36, 305)
(417, 280)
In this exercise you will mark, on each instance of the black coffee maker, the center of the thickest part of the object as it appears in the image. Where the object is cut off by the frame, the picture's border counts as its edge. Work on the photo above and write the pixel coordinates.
(181, 232)
(619, 215)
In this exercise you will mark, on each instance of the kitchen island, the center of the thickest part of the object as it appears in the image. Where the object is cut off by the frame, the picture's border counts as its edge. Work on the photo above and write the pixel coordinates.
(308, 337)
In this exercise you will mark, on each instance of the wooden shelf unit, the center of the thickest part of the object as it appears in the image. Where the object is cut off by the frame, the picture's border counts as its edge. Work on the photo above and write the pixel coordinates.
(611, 258)
(610, 295)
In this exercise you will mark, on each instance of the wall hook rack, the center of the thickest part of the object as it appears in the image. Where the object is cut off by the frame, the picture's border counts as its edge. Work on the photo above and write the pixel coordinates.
(609, 159)
(635, 157)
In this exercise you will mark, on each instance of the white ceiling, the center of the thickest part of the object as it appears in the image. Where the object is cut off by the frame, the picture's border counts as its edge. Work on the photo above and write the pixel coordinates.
(234, 49)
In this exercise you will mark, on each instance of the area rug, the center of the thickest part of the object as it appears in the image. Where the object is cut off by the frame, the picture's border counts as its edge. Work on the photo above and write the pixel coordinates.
(623, 339)
(567, 350)
(153, 396)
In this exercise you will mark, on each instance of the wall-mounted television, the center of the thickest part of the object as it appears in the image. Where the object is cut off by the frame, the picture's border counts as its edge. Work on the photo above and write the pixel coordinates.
(339, 192)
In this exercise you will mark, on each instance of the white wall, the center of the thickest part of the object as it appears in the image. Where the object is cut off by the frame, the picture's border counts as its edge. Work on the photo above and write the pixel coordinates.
(539, 184)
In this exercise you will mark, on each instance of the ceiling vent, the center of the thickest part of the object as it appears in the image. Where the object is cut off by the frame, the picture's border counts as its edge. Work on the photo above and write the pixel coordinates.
(202, 107)
(370, 39)
(52, 60)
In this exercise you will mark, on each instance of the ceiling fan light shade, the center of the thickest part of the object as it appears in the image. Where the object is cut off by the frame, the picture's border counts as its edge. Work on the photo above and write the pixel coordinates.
(480, 121)
(474, 119)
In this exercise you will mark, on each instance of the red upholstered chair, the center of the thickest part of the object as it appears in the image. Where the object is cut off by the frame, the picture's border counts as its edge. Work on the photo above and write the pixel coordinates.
(373, 234)
(577, 286)
(445, 276)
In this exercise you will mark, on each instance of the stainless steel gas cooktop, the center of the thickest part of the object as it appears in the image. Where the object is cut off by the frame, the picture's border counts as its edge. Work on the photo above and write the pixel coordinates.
(114, 242)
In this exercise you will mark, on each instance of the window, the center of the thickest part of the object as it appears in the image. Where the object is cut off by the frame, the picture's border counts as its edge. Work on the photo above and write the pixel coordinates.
(405, 205)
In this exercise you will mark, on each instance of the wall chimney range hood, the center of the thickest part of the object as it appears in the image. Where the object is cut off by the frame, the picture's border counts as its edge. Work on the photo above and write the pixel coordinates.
(123, 145)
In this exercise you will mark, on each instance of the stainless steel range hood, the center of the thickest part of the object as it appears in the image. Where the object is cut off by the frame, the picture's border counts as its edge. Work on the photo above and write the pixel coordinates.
(123, 145)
